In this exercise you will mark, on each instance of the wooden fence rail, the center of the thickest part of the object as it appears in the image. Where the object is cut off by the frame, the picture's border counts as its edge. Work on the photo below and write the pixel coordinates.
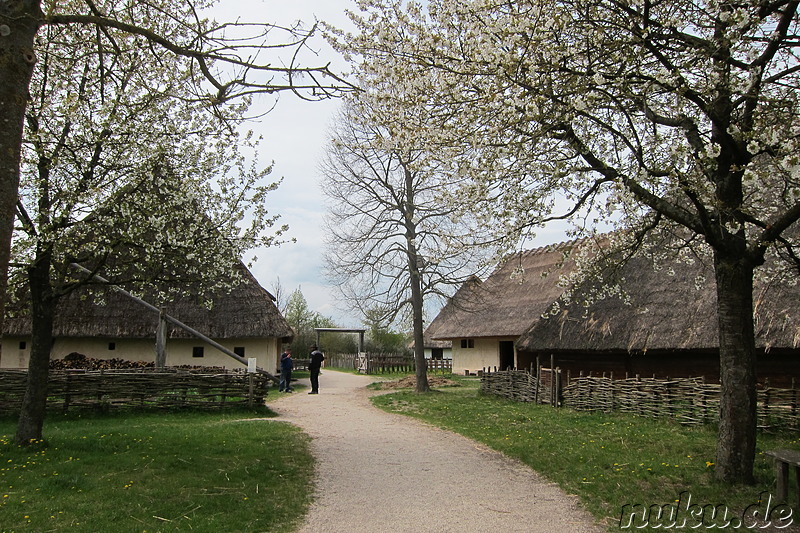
(689, 400)
(348, 361)
(445, 366)
(382, 363)
(142, 388)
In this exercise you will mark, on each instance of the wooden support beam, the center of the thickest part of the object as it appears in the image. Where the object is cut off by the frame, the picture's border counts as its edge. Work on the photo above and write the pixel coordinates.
(174, 321)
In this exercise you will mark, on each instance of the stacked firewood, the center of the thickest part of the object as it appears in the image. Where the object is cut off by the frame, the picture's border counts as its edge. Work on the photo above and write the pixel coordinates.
(77, 360)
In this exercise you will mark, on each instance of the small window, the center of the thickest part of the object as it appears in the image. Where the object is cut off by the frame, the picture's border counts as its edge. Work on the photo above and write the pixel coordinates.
(239, 350)
(197, 351)
(23, 345)
(467, 343)
(112, 345)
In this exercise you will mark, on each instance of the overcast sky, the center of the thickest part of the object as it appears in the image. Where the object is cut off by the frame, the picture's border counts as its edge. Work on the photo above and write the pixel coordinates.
(295, 135)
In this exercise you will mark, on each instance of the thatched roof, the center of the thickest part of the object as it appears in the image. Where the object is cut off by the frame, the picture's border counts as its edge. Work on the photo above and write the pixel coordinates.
(505, 304)
(444, 345)
(668, 309)
(427, 342)
(671, 308)
(247, 311)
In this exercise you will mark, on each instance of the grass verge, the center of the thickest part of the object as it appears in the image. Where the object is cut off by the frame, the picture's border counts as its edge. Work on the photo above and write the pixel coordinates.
(156, 472)
(607, 460)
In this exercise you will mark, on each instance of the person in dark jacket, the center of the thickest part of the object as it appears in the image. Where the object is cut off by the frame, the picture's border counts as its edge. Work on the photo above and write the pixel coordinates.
(287, 364)
(314, 366)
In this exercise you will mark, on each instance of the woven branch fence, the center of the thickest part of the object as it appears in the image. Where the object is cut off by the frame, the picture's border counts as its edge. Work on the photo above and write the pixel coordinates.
(142, 388)
(521, 385)
(690, 401)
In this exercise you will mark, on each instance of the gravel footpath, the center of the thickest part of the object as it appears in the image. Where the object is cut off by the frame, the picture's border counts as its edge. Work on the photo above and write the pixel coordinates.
(383, 472)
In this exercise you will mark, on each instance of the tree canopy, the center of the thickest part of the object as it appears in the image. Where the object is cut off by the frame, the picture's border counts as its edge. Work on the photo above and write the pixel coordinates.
(676, 116)
(303, 321)
(209, 68)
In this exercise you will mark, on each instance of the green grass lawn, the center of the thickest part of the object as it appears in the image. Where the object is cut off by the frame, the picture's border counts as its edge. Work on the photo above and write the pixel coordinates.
(212, 472)
(156, 472)
(608, 460)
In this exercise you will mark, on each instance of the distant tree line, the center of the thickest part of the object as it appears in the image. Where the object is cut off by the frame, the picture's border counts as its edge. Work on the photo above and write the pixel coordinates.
(304, 322)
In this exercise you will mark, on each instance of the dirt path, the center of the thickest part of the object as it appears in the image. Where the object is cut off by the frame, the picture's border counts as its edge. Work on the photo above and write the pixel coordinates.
(378, 472)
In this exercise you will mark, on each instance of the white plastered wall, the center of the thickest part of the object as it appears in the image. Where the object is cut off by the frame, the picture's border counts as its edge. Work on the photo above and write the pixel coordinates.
(179, 351)
(485, 354)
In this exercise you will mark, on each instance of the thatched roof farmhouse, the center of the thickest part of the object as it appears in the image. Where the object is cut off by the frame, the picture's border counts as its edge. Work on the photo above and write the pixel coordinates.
(438, 349)
(244, 320)
(485, 318)
(667, 324)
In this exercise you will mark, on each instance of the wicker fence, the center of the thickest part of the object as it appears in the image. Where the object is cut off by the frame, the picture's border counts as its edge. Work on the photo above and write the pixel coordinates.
(523, 386)
(144, 388)
(687, 400)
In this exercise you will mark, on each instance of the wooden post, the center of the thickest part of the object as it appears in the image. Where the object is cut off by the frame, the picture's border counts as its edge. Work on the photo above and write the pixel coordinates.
(557, 388)
(99, 390)
(670, 402)
(161, 341)
(611, 392)
(250, 377)
(67, 395)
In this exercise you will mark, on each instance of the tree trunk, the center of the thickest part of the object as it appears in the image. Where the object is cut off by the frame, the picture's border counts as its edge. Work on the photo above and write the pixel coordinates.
(414, 261)
(736, 442)
(19, 22)
(31, 417)
(419, 343)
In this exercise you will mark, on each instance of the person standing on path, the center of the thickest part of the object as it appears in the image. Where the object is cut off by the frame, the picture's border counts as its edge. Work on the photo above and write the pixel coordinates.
(287, 364)
(314, 366)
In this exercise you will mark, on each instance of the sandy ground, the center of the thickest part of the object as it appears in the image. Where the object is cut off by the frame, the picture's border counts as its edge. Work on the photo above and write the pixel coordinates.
(381, 472)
